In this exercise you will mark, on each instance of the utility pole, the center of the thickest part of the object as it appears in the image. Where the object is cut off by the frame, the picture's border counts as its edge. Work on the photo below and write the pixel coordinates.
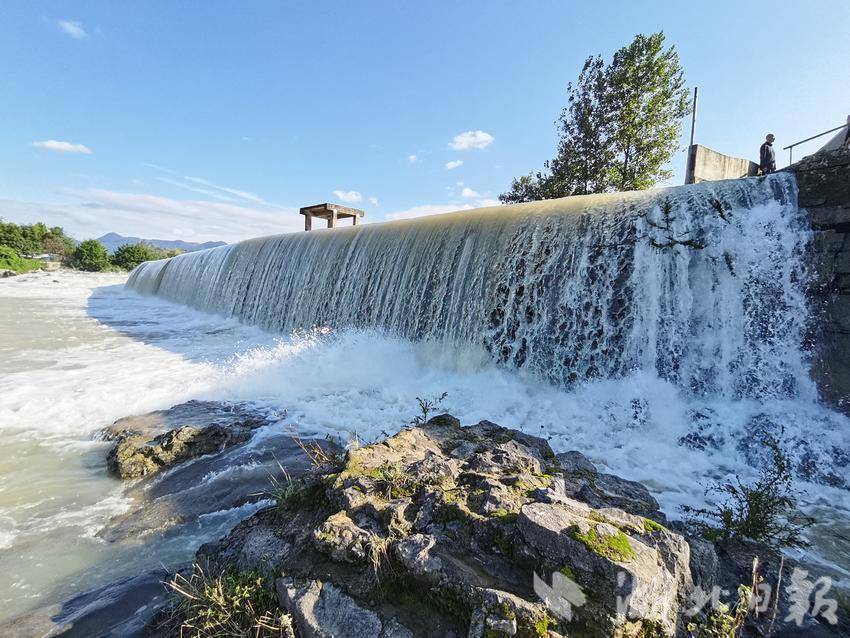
(694, 115)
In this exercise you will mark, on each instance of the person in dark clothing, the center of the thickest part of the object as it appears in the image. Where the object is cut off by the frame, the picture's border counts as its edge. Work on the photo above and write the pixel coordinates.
(767, 158)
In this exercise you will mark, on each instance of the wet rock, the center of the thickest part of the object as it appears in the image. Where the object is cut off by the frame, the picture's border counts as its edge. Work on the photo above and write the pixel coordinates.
(149, 443)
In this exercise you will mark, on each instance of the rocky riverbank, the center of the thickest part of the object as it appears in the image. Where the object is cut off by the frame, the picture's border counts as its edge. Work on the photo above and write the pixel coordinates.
(440, 530)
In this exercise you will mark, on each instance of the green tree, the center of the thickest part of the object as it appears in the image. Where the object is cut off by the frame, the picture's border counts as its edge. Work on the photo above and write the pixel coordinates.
(620, 127)
(12, 237)
(646, 100)
(91, 255)
(129, 256)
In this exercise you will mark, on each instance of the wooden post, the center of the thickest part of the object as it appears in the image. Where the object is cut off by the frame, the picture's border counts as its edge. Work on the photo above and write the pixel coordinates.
(308, 222)
(354, 220)
(332, 219)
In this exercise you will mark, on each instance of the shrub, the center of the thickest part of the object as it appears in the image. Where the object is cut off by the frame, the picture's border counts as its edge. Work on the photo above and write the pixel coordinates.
(10, 260)
(235, 604)
(764, 511)
(91, 255)
(129, 256)
(426, 407)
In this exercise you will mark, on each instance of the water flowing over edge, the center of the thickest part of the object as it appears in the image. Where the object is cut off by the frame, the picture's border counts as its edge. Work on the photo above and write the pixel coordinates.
(703, 284)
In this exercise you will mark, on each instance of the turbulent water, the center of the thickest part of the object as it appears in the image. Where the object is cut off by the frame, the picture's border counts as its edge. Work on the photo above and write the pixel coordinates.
(561, 319)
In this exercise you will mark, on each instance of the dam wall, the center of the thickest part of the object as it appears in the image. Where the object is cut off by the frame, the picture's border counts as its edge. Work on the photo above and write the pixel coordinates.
(824, 191)
(701, 285)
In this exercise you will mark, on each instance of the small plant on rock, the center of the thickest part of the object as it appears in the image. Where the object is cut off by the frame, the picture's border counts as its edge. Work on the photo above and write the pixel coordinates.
(426, 407)
(764, 511)
(723, 622)
(233, 604)
(284, 489)
(394, 481)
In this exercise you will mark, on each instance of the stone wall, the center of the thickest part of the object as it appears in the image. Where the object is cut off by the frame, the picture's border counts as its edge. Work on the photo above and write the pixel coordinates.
(706, 165)
(824, 183)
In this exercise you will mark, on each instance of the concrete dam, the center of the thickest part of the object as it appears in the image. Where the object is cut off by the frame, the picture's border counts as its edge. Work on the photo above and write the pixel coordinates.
(703, 284)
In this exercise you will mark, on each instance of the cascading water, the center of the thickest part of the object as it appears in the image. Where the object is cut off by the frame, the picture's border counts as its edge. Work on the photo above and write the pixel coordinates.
(704, 285)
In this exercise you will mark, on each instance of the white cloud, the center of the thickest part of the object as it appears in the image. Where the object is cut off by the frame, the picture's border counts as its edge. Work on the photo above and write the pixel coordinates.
(373, 201)
(349, 197)
(471, 139)
(93, 212)
(488, 201)
(469, 193)
(73, 29)
(454, 164)
(62, 147)
(412, 158)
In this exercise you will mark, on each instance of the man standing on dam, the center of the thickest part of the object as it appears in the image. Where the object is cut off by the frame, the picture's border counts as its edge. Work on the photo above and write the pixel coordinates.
(767, 157)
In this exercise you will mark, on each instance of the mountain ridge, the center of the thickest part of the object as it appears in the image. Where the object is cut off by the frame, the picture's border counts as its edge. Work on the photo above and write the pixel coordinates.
(113, 240)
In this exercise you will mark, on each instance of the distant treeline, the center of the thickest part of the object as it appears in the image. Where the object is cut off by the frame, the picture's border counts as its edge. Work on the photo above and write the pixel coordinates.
(24, 248)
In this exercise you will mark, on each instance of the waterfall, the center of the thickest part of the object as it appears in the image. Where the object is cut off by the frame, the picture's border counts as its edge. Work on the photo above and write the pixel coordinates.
(703, 284)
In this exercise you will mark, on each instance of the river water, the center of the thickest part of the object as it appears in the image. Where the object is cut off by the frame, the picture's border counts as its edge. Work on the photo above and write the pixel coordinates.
(80, 350)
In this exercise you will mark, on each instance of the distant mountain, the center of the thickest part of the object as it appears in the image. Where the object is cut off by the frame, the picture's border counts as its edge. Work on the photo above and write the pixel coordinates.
(114, 240)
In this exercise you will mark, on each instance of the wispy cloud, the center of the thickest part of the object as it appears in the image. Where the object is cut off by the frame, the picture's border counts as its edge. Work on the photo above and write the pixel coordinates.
(439, 209)
(208, 188)
(62, 147)
(93, 212)
(454, 164)
(73, 28)
(425, 209)
(468, 193)
(412, 159)
(349, 197)
(471, 139)
(226, 189)
(373, 201)
(194, 189)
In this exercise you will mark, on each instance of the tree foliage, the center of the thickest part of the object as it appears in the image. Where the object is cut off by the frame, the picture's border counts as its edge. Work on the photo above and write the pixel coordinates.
(91, 255)
(35, 239)
(129, 256)
(620, 127)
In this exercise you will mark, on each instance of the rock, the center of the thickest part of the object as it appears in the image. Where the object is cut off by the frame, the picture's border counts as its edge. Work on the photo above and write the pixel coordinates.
(446, 530)
(342, 539)
(652, 576)
(576, 463)
(149, 443)
(321, 610)
(7, 273)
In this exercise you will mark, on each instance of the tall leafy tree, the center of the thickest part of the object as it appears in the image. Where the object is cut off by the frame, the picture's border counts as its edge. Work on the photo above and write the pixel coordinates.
(620, 127)
(645, 101)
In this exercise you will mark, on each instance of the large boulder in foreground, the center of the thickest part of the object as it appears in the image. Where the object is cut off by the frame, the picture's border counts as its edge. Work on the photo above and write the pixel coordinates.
(149, 443)
(473, 531)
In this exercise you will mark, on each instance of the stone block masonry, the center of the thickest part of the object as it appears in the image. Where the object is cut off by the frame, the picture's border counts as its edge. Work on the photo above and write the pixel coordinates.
(823, 180)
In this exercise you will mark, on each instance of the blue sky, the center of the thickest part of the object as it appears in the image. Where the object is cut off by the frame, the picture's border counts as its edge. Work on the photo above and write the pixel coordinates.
(217, 120)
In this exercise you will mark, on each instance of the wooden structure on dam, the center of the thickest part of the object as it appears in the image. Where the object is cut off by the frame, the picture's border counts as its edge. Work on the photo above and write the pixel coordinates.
(331, 212)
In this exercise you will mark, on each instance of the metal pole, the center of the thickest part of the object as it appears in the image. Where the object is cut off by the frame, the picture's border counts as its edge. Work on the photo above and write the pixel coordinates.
(694, 115)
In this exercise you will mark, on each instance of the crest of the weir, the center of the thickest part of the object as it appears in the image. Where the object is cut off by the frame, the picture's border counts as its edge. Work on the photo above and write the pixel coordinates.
(570, 289)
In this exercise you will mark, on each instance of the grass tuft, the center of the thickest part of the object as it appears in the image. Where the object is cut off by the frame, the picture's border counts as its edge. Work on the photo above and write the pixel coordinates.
(231, 605)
